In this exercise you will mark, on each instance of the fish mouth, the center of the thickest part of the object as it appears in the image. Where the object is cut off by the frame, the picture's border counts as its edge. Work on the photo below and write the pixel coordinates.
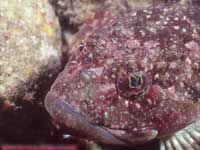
(63, 114)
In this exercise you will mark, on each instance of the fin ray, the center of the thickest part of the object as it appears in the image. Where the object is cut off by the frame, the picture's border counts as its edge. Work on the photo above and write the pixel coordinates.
(176, 143)
(185, 145)
(169, 144)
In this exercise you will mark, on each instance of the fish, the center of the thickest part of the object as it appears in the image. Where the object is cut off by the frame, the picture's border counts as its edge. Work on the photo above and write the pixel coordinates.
(133, 78)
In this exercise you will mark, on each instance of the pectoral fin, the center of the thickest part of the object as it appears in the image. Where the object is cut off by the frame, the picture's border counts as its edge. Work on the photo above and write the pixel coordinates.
(185, 139)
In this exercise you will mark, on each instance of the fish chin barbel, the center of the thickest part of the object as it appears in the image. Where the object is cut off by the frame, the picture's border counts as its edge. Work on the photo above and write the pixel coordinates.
(136, 79)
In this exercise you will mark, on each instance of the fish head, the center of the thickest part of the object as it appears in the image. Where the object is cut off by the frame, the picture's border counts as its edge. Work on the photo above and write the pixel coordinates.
(133, 80)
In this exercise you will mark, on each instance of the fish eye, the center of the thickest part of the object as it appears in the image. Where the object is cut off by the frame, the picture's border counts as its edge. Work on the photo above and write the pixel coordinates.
(132, 85)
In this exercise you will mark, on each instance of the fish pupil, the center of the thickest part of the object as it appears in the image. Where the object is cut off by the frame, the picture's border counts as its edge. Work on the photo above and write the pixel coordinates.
(135, 80)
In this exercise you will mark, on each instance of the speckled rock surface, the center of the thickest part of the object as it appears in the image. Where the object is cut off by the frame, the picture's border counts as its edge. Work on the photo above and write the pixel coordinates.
(29, 46)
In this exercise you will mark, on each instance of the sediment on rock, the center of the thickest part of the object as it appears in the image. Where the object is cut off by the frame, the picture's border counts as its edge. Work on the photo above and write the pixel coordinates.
(29, 46)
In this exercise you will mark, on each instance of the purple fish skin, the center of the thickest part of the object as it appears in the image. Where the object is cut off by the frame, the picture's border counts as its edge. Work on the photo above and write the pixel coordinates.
(136, 74)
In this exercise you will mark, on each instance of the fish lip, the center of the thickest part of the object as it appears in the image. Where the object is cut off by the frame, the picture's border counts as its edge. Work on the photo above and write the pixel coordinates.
(133, 137)
(118, 133)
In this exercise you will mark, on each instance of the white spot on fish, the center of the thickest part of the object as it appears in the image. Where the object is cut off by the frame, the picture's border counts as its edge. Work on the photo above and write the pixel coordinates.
(156, 76)
(176, 27)
(157, 22)
(184, 17)
(106, 115)
(113, 76)
(126, 103)
(184, 30)
(149, 101)
(148, 16)
(176, 18)
(137, 105)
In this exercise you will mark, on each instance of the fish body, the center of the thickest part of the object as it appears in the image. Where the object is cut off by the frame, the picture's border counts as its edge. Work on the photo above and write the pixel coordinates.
(134, 78)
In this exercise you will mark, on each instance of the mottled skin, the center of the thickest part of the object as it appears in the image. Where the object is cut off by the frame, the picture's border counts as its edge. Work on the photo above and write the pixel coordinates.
(135, 78)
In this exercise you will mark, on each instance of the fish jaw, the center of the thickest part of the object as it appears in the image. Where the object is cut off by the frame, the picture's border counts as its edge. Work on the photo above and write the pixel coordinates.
(77, 123)
(63, 114)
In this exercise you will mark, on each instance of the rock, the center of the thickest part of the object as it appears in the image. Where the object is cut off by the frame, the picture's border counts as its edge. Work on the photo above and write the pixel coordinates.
(29, 47)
